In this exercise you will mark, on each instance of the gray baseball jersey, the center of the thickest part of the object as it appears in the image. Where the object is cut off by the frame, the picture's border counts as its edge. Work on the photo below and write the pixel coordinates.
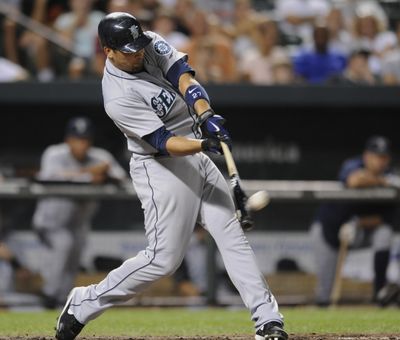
(175, 192)
(64, 223)
(141, 103)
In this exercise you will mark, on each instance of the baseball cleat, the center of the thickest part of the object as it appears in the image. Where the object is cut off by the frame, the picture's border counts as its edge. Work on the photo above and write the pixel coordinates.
(388, 294)
(67, 326)
(271, 331)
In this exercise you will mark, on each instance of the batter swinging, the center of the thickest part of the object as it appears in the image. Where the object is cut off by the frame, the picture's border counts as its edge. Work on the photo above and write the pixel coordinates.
(151, 95)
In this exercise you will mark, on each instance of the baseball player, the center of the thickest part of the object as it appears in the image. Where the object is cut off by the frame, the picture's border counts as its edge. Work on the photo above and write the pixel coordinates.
(360, 224)
(61, 223)
(151, 94)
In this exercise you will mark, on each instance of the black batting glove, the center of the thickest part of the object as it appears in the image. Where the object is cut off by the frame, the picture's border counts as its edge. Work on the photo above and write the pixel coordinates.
(212, 145)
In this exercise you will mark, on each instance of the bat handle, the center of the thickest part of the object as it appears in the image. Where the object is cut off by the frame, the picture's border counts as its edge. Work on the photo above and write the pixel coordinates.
(240, 197)
(337, 284)
(244, 216)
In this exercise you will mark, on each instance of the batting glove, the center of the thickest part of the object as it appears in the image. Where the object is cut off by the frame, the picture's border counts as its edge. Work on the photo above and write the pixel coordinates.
(212, 145)
(348, 232)
(211, 126)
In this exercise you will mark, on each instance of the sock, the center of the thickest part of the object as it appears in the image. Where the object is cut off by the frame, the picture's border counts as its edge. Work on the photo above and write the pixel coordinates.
(381, 262)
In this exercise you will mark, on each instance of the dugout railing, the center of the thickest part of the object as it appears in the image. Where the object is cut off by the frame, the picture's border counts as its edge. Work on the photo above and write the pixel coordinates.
(279, 191)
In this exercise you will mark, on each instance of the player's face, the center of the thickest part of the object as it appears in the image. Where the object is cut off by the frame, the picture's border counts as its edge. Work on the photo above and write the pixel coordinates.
(376, 163)
(79, 147)
(128, 62)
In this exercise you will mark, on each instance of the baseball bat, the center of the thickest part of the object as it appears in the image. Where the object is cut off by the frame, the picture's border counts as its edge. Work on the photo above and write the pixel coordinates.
(239, 196)
(337, 283)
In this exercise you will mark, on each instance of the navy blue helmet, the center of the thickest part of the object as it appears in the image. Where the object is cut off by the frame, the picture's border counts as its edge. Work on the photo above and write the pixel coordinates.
(122, 31)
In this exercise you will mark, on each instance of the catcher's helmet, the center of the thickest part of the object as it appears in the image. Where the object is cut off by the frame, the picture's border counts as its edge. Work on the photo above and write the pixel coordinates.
(121, 31)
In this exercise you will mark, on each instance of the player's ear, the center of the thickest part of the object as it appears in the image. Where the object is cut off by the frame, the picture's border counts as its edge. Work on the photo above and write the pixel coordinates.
(107, 50)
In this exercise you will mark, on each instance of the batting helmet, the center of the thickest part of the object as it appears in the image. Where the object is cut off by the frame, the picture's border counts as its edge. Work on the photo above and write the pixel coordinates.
(121, 31)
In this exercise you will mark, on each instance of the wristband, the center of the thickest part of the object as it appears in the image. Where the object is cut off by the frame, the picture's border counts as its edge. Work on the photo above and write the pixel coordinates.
(194, 93)
(204, 116)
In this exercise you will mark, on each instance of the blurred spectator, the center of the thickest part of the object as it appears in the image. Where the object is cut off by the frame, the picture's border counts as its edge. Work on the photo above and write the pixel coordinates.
(165, 25)
(62, 224)
(210, 53)
(242, 27)
(282, 70)
(340, 38)
(151, 5)
(357, 71)
(223, 9)
(119, 6)
(359, 224)
(390, 57)
(257, 65)
(79, 27)
(188, 17)
(297, 18)
(366, 30)
(25, 47)
(319, 64)
(10, 72)
(370, 32)
(356, 24)
(9, 30)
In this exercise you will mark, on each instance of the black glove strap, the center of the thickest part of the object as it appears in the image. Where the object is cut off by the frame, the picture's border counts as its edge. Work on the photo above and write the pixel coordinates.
(204, 145)
(209, 143)
(204, 116)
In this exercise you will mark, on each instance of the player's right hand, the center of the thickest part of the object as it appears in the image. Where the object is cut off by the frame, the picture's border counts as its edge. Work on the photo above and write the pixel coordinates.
(98, 172)
(348, 232)
(212, 145)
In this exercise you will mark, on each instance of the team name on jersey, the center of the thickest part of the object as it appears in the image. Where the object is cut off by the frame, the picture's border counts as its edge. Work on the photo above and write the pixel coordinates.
(163, 102)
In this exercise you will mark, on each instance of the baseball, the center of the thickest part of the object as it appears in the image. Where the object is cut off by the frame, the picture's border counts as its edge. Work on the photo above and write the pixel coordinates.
(257, 201)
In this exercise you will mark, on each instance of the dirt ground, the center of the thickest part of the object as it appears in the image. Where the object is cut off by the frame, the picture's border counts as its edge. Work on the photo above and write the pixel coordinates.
(236, 337)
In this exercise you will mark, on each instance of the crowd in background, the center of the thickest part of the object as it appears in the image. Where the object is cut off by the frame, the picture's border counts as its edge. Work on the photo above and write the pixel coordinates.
(265, 42)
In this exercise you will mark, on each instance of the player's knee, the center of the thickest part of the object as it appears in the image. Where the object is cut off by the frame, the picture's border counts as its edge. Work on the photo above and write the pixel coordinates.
(169, 264)
(382, 237)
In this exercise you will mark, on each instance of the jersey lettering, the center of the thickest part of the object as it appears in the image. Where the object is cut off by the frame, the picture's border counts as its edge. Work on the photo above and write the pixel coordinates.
(163, 102)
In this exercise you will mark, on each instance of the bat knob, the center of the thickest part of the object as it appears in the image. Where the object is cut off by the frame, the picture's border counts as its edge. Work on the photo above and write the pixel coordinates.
(247, 224)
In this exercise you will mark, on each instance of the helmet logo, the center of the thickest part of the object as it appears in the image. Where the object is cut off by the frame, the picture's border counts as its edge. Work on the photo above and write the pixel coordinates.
(134, 31)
